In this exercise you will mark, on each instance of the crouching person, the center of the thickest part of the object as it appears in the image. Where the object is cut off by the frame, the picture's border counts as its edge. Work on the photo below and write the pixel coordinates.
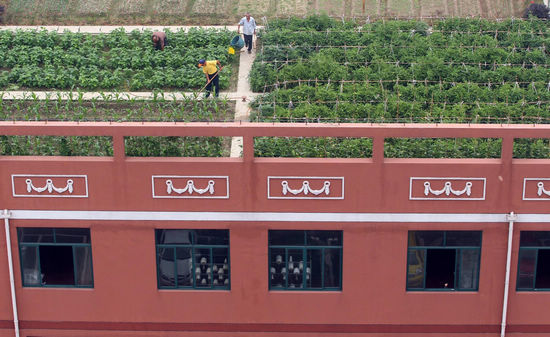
(159, 40)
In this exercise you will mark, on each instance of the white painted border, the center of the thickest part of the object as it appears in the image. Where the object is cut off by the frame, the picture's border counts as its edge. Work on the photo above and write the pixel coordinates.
(226, 196)
(49, 176)
(446, 178)
(273, 216)
(308, 178)
(525, 183)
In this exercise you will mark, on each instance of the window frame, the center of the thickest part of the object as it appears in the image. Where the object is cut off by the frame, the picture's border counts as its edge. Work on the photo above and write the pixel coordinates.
(457, 263)
(192, 246)
(522, 249)
(305, 248)
(55, 244)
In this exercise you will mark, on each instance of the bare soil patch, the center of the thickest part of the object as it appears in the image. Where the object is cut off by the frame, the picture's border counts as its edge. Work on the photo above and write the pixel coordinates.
(398, 8)
(170, 6)
(483, 8)
(255, 7)
(370, 8)
(125, 7)
(332, 7)
(93, 6)
(469, 8)
(226, 12)
(434, 8)
(211, 6)
(292, 7)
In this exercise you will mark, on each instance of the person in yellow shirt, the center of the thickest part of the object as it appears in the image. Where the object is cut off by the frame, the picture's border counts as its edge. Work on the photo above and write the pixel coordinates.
(211, 71)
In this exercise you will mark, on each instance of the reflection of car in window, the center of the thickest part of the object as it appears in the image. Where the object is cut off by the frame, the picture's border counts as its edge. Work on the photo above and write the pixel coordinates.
(184, 266)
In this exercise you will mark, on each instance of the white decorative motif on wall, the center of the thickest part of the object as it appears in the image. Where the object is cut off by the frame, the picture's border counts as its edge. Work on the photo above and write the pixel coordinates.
(536, 189)
(305, 187)
(447, 189)
(189, 188)
(541, 189)
(443, 188)
(49, 186)
(182, 187)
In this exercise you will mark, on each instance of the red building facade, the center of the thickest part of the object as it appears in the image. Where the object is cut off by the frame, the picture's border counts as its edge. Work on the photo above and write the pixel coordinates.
(374, 205)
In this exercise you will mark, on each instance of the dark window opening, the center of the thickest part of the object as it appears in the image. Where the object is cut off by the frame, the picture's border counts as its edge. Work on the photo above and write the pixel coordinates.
(53, 257)
(543, 270)
(534, 261)
(56, 264)
(443, 260)
(440, 268)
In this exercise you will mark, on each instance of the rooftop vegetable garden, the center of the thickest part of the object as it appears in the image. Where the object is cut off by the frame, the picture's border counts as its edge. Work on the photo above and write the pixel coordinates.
(307, 70)
(118, 60)
(456, 71)
(123, 61)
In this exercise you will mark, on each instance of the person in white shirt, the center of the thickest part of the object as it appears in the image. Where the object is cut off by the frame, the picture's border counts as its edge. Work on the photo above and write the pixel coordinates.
(249, 29)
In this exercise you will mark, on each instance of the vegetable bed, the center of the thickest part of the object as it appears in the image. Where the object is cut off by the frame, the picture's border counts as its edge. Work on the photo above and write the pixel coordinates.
(456, 71)
(118, 60)
(159, 109)
(118, 110)
(103, 146)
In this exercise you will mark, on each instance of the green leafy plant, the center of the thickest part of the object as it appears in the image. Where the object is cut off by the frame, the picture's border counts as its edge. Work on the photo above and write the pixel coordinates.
(118, 60)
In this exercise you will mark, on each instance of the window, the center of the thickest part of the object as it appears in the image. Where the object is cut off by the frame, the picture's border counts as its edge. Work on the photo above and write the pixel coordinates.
(55, 257)
(534, 261)
(443, 260)
(301, 260)
(193, 258)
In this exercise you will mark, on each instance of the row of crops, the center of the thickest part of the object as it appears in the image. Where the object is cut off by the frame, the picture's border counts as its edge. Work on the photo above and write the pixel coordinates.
(116, 108)
(118, 60)
(455, 71)
(103, 146)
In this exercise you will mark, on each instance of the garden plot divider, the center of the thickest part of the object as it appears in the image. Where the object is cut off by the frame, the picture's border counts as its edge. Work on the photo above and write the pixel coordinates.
(252, 184)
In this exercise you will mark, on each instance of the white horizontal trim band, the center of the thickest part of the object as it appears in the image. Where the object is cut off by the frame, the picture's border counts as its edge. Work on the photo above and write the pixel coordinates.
(269, 216)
